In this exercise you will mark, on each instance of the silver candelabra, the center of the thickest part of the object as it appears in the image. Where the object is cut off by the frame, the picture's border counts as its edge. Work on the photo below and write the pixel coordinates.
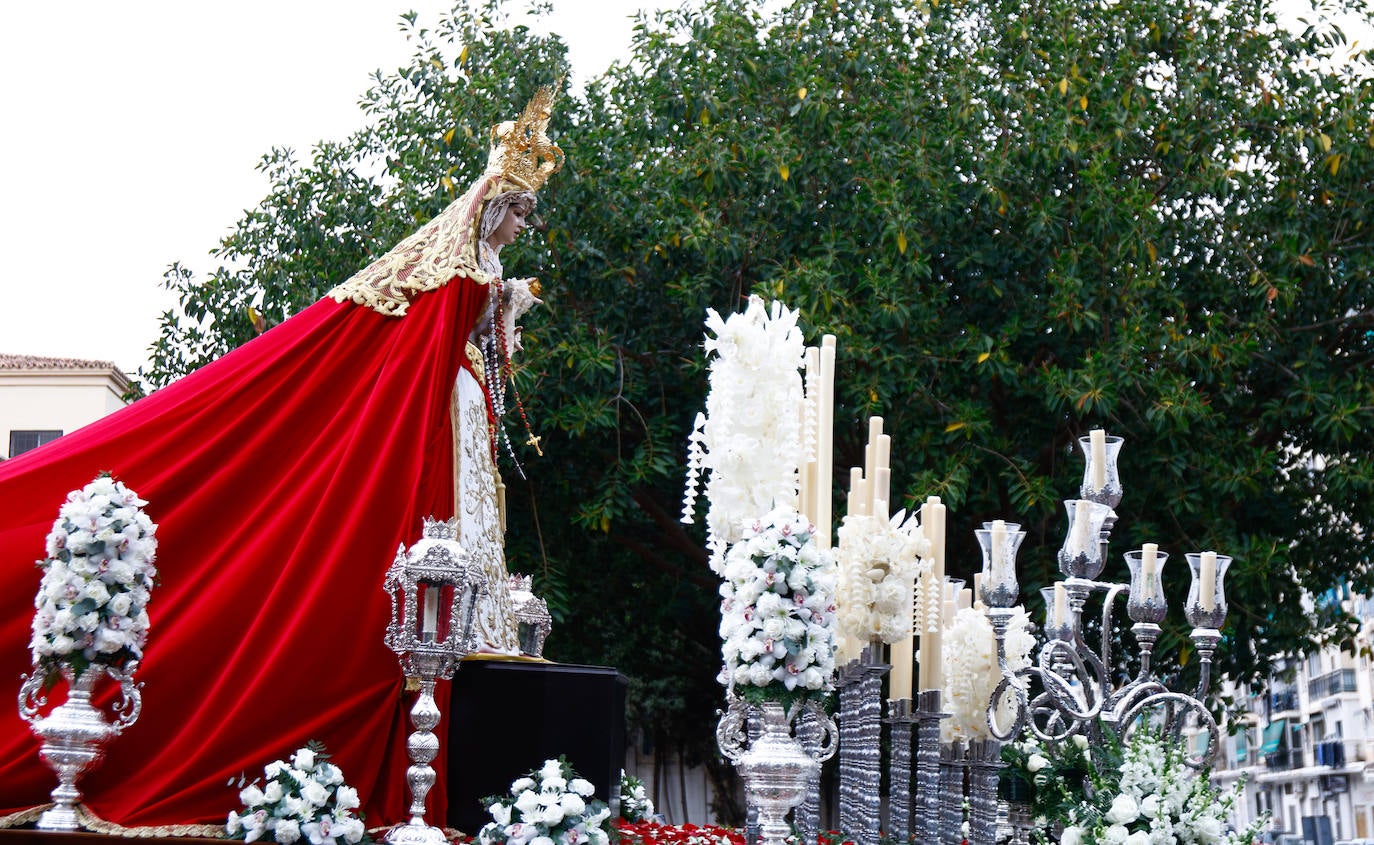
(1077, 694)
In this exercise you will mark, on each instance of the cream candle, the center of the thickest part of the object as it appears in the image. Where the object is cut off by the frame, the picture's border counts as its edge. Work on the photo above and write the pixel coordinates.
(825, 444)
(1207, 582)
(1061, 606)
(1098, 449)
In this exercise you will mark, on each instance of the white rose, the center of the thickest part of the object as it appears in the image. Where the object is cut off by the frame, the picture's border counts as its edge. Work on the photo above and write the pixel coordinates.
(541, 840)
(1081, 741)
(1140, 837)
(120, 604)
(582, 787)
(304, 759)
(288, 831)
(346, 798)
(251, 796)
(551, 769)
(1124, 810)
(272, 792)
(556, 784)
(500, 813)
(1208, 829)
(1072, 836)
(1036, 762)
(1114, 835)
(521, 785)
(552, 815)
(314, 792)
(527, 802)
(96, 592)
(1149, 806)
(572, 804)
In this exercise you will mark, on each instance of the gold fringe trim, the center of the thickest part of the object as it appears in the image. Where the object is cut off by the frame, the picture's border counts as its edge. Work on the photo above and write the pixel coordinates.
(90, 821)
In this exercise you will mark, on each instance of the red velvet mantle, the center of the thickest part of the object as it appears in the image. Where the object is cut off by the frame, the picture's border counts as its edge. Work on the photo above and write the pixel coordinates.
(282, 478)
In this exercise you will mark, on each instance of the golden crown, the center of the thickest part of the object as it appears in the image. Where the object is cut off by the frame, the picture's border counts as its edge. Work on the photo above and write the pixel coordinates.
(521, 150)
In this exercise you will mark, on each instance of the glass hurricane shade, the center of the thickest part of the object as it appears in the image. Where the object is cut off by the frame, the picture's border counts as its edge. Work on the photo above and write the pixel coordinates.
(1145, 602)
(999, 587)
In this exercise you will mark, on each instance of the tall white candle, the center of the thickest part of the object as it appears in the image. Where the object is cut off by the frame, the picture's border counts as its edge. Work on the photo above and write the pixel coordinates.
(825, 444)
(882, 487)
(1207, 582)
(1061, 606)
(1098, 449)
(999, 550)
(430, 623)
(978, 590)
(1081, 541)
(902, 659)
(936, 533)
(965, 600)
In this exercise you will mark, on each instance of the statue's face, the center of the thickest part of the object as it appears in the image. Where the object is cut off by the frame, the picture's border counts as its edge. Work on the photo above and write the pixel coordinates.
(510, 227)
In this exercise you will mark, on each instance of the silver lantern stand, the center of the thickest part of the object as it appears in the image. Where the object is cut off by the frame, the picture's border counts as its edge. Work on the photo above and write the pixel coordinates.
(434, 589)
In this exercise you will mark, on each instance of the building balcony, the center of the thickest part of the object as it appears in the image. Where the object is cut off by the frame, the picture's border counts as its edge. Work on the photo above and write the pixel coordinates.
(1282, 701)
(1282, 761)
(1330, 753)
(1332, 683)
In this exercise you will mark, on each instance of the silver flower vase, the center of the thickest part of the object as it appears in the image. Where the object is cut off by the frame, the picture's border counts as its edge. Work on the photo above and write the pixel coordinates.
(74, 733)
(776, 768)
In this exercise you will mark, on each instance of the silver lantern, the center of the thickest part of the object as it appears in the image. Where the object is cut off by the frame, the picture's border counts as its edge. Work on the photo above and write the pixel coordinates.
(435, 588)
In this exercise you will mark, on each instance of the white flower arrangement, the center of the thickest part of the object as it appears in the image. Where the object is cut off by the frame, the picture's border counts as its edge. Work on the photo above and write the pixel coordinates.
(972, 673)
(879, 562)
(549, 806)
(303, 799)
(635, 805)
(92, 605)
(778, 610)
(749, 439)
(1157, 800)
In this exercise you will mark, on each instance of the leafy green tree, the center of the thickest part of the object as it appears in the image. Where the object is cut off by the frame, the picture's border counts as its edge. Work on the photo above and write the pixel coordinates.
(1022, 221)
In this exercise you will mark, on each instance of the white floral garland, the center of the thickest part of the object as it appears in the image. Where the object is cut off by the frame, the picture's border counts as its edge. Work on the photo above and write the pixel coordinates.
(778, 608)
(749, 440)
(303, 799)
(1160, 801)
(879, 562)
(972, 673)
(91, 607)
(549, 806)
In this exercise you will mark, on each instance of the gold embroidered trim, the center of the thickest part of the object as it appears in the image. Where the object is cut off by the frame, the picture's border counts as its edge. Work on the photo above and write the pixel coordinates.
(441, 249)
(479, 363)
(90, 821)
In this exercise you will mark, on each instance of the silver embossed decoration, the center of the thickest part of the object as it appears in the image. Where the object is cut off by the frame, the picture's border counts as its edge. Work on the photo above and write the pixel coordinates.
(434, 588)
(531, 615)
(74, 733)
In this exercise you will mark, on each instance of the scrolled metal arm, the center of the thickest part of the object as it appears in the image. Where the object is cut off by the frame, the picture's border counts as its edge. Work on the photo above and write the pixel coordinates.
(31, 697)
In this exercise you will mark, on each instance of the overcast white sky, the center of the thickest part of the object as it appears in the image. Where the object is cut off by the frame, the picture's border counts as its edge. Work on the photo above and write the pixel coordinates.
(132, 130)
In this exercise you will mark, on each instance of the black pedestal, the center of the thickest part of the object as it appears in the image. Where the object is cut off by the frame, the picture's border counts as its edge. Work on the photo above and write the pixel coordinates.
(507, 718)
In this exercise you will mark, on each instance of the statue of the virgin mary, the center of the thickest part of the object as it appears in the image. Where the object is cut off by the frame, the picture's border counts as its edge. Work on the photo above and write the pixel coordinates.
(282, 477)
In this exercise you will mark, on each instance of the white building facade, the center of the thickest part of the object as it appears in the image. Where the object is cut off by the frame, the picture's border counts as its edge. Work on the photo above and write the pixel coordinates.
(43, 398)
(1306, 745)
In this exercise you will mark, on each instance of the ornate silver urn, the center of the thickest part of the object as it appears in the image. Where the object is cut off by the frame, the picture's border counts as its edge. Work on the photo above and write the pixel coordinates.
(776, 768)
(74, 733)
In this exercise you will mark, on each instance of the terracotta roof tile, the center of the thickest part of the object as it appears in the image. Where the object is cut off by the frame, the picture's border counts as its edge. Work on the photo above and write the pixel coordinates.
(42, 362)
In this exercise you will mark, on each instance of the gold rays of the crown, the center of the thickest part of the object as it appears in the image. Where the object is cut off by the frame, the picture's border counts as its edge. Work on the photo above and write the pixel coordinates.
(521, 149)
